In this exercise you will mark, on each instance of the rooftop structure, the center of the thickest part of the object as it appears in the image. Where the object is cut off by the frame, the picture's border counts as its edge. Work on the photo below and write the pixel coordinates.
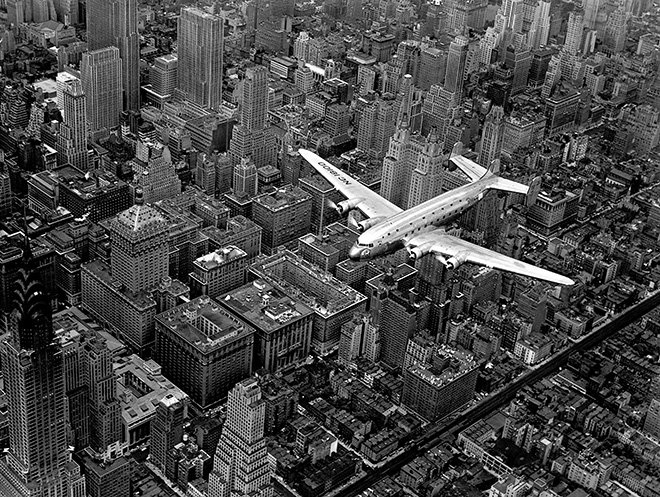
(141, 386)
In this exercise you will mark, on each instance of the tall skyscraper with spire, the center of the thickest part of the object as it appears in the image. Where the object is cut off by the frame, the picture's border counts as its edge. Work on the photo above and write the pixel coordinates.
(241, 463)
(200, 48)
(115, 23)
(38, 459)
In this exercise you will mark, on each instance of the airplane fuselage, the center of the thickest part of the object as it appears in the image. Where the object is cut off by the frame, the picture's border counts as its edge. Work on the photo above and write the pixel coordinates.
(387, 236)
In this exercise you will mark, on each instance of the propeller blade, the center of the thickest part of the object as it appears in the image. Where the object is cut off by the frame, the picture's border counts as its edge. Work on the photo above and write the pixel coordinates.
(331, 204)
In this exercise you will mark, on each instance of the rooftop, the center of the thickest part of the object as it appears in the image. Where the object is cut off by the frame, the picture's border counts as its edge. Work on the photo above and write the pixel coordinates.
(282, 198)
(203, 323)
(219, 257)
(263, 306)
(141, 387)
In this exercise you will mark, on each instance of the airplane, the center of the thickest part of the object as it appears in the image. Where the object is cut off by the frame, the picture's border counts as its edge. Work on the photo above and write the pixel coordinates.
(420, 229)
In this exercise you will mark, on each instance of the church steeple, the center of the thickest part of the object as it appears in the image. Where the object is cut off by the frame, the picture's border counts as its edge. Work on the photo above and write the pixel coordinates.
(31, 316)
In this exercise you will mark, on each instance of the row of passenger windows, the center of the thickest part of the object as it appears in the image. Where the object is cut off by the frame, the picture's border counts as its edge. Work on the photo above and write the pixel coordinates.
(432, 214)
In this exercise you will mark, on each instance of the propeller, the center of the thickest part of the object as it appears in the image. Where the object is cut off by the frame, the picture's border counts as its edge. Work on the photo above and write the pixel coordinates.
(331, 204)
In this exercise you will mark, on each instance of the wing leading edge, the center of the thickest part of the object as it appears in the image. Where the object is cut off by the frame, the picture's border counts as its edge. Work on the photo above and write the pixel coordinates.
(371, 204)
(440, 243)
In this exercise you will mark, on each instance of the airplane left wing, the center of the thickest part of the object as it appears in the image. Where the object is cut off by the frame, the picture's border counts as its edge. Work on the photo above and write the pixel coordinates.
(454, 251)
(367, 201)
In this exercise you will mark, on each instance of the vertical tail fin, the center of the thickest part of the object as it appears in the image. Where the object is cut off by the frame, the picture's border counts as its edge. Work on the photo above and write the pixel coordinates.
(533, 192)
(457, 150)
(494, 168)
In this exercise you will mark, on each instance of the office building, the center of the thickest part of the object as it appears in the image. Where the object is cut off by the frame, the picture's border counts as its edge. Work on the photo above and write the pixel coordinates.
(6, 195)
(72, 139)
(154, 172)
(218, 272)
(101, 76)
(163, 77)
(252, 138)
(376, 126)
(128, 296)
(241, 465)
(167, 429)
(283, 326)
(204, 350)
(616, 30)
(284, 215)
(94, 412)
(200, 56)
(11, 257)
(491, 137)
(652, 420)
(38, 460)
(456, 58)
(114, 23)
(241, 232)
(322, 193)
(436, 389)
(139, 247)
(329, 248)
(106, 477)
(333, 301)
(413, 170)
(139, 404)
(245, 178)
(359, 339)
(30, 11)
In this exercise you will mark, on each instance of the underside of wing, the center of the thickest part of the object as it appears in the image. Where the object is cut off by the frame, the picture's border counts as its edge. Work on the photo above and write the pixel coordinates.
(370, 203)
(456, 251)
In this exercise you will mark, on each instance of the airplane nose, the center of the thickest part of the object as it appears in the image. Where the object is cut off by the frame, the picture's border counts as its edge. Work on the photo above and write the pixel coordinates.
(356, 253)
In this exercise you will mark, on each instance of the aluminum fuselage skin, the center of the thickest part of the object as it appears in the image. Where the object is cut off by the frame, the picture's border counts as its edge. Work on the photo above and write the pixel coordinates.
(387, 237)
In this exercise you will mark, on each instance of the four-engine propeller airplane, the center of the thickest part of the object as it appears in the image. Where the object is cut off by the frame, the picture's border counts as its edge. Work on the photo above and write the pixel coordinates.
(420, 229)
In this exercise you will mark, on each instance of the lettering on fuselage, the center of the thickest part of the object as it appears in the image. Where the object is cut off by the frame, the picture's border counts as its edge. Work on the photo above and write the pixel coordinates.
(334, 173)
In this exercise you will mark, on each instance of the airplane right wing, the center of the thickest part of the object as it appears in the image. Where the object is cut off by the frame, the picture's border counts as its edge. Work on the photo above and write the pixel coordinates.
(454, 251)
(367, 201)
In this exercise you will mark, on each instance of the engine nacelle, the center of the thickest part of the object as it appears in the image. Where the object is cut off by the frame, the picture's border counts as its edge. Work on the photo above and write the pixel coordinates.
(363, 226)
(456, 261)
(419, 251)
(346, 206)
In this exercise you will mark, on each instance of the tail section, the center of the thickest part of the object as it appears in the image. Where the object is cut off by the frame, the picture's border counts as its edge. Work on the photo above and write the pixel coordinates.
(532, 191)
(457, 150)
(494, 168)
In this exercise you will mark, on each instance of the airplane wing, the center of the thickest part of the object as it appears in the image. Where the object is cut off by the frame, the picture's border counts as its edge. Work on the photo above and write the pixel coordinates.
(473, 170)
(370, 203)
(441, 244)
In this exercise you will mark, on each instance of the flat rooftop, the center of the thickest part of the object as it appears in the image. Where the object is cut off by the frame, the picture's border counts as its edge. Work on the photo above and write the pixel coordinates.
(204, 324)
(263, 306)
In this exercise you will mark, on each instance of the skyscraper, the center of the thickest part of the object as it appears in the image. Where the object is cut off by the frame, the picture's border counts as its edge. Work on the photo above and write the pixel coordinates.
(38, 457)
(241, 463)
(72, 139)
(252, 138)
(491, 136)
(115, 23)
(456, 58)
(101, 75)
(67, 11)
(139, 247)
(254, 104)
(200, 49)
(245, 178)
